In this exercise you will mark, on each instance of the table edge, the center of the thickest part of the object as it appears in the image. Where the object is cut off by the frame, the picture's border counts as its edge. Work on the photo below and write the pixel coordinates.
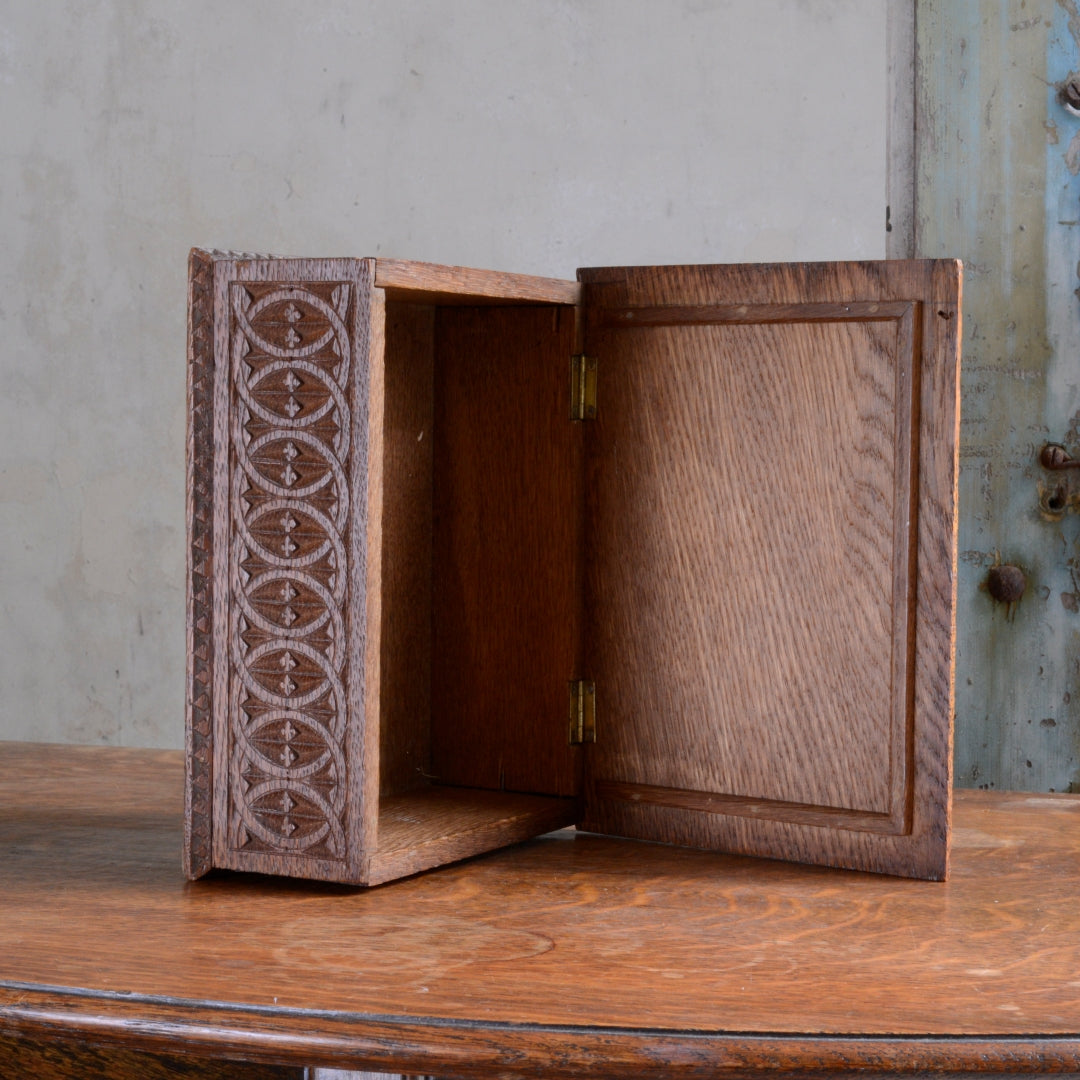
(419, 1045)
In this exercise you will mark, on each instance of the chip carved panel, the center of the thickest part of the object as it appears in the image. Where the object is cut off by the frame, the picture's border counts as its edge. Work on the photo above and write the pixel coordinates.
(290, 425)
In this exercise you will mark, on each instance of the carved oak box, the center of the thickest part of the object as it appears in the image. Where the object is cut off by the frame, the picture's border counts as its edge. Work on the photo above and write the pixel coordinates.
(665, 552)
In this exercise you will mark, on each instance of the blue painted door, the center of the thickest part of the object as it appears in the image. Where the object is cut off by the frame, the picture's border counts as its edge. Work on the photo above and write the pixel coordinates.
(997, 182)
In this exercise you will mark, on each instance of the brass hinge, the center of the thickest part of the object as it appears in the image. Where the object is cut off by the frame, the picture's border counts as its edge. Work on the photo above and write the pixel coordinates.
(582, 711)
(582, 387)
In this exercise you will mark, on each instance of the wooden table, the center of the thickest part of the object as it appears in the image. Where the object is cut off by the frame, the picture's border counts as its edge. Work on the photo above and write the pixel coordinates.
(568, 956)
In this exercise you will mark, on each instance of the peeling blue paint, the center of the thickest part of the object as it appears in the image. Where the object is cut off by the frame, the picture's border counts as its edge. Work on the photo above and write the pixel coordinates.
(997, 184)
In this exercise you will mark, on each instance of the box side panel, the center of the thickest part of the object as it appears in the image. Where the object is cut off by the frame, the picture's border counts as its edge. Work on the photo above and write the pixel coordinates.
(935, 506)
(198, 780)
(291, 455)
(769, 483)
(365, 606)
(430, 283)
(506, 547)
(405, 686)
(673, 287)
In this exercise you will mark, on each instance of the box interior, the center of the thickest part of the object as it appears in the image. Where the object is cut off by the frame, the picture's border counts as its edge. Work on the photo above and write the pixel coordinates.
(481, 578)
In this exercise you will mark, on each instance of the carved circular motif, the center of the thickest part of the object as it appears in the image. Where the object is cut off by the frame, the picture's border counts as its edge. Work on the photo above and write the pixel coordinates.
(290, 432)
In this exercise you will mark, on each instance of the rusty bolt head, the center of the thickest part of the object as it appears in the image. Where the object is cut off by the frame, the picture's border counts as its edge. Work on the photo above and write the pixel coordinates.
(1006, 583)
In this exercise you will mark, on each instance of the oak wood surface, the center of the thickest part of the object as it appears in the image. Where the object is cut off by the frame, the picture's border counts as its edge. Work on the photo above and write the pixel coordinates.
(21, 1059)
(404, 721)
(313, 515)
(438, 825)
(506, 546)
(743, 493)
(430, 283)
(771, 550)
(199, 515)
(567, 956)
(365, 602)
(284, 518)
(477, 588)
(393, 612)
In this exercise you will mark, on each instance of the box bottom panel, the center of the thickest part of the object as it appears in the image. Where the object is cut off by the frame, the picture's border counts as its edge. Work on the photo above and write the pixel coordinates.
(438, 825)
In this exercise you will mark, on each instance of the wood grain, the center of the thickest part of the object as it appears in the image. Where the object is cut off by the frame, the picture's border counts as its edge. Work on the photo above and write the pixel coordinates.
(506, 544)
(743, 806)
(716, 314)
(368, 476)
(440, 825)
(77, 1061)
(370, 612)
(767, 660)
(405, 694)
(287, 461)
(573, 955)
(199, 734)
(740, 589)
(311, 525)
(430, 283)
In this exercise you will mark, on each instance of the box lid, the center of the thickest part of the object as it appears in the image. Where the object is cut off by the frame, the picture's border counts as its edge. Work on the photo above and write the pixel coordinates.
(770, 566)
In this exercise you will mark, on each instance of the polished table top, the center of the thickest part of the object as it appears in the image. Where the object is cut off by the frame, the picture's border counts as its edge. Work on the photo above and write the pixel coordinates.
(568, 955)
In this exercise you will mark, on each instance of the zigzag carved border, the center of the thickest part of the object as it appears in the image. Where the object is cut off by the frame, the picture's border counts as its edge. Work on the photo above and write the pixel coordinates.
(200, 511)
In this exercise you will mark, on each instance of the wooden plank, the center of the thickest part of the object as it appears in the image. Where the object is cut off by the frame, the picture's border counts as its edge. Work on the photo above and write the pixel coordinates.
(282, 472)
(741, 562)
(749, 314)
(429, 283)
(557, 957)
(364, 601)
(405, 695)
(199, 712)
(766, 661)
(440, 825)
(506, 544)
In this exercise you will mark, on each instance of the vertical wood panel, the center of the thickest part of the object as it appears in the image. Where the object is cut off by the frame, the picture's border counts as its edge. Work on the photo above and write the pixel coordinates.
(365, 624)
(773, 659)
(199, 714)
(506, 541)
(741, 493)
(405, 695)
(296, 474)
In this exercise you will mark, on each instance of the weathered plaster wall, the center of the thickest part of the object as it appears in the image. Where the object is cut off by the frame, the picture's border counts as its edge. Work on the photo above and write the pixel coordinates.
(530, 135)
(997, 184)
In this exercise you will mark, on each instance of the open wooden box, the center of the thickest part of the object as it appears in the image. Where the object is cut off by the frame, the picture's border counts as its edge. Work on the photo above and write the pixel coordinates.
(668, 552)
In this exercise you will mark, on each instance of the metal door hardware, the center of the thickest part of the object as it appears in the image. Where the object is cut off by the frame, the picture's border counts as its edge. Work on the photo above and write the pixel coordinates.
(1055, 457)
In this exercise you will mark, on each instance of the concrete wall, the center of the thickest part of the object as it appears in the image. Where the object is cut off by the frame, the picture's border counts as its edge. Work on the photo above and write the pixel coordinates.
(530, 135)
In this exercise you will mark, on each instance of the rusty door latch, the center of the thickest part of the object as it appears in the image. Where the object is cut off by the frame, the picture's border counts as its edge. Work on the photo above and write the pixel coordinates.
(1055, 458)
